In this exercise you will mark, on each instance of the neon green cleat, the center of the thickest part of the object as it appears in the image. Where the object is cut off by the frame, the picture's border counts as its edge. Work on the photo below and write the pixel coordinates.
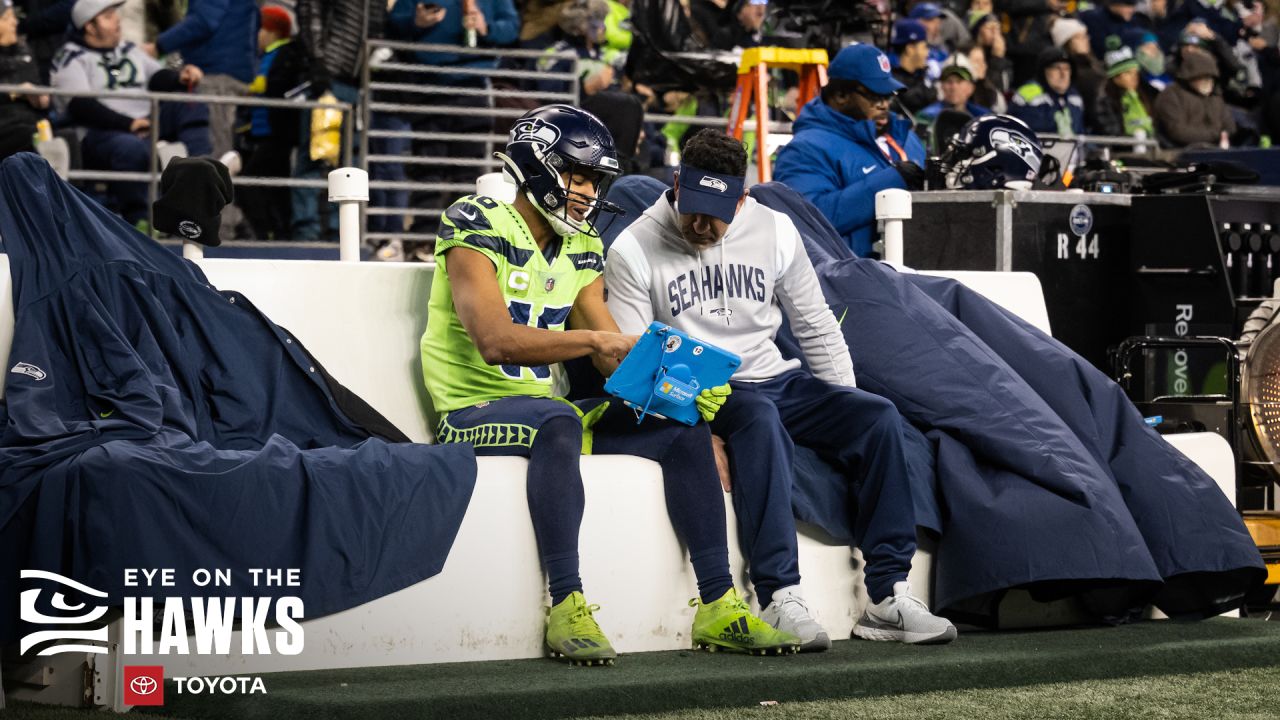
(728, 624)
(572, 633)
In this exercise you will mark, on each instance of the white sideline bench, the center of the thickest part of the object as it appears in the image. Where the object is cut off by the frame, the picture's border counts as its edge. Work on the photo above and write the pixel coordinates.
(363, 322)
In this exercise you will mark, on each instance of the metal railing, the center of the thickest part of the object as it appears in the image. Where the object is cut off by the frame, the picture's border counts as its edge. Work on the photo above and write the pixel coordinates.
(152, 176)
(1148, 146)
(388, 59)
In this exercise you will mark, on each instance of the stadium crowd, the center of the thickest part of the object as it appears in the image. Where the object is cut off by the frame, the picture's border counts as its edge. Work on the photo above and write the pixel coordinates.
(1180, 72)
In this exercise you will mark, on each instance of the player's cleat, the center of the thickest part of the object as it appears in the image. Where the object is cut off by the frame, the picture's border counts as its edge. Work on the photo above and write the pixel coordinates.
(903, 618)
(572, 633)
(727, 624)
(789, 613)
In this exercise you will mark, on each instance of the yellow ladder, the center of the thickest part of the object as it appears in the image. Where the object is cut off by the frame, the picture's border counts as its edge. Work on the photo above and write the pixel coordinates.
(753, 85)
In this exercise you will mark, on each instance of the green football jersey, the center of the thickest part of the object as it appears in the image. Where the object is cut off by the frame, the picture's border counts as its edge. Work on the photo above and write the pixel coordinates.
(537, 292)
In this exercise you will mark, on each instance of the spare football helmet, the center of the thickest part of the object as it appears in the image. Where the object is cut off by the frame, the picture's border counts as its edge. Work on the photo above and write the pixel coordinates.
(553, 142)
(990, 152)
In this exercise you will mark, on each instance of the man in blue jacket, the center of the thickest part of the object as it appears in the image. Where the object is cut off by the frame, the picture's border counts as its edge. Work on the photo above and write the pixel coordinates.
(1114, 18)
(221, 37)
(848, 146)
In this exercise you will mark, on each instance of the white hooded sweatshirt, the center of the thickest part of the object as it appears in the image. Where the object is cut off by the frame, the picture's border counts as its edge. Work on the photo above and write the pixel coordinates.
(731, 294)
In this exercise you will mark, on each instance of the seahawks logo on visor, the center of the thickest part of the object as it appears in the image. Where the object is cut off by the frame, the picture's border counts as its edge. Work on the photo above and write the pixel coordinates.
(714, 183)
(535, 131)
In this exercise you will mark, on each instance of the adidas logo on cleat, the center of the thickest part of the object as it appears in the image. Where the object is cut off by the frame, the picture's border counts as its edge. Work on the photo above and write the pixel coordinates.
(573, 644)
(738, 632)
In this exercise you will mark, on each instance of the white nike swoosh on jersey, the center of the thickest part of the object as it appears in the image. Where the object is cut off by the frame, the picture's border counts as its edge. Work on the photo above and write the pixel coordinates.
(463, 211)
(867, 170)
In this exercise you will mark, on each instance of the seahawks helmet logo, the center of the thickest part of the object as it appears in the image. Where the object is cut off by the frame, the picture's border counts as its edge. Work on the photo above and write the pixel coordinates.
(1014, 142)
(535, 131)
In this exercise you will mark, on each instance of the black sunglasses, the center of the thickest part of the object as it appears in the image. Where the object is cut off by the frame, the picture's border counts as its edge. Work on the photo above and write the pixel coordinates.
(873, 98)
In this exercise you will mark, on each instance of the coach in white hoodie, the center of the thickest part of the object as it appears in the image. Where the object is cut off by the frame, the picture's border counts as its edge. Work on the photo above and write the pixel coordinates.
(711, 261)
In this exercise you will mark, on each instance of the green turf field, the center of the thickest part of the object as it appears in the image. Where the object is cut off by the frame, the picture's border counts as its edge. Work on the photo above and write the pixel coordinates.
(1214, 669)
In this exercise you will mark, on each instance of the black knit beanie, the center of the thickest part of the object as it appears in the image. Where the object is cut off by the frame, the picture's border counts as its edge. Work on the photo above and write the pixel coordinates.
(193, 192)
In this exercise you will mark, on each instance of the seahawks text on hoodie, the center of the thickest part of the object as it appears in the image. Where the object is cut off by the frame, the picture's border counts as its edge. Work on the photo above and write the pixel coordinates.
(731, 294)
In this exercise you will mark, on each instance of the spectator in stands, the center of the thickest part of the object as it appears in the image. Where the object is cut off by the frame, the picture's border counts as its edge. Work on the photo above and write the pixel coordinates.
(730, 24)
(957, 93)
(775, 402)
(1050, 104)
(1121, 109)
(489, 373)
(117, 131)
(1087, 72)
(18, 113)
(929, 15)
(448, 22)
(1218, 17)
(1114, 18)
(582, 32)
(953, 32)
(333, 32)
(44, 24)
(1151, 66)
(1191, 111)
(219, 36)
(1028, 34)
(987, 36)
(978, 9)
(909, 58)
(273, 132)
(1232, 75)
(848, 146)
(985, 92)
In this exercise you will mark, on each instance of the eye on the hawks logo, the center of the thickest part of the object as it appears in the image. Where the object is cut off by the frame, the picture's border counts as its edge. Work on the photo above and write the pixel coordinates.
(536, 131)
(884, 63)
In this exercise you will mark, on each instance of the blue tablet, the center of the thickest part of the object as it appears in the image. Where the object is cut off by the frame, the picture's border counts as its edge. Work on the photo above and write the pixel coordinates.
(666, 370)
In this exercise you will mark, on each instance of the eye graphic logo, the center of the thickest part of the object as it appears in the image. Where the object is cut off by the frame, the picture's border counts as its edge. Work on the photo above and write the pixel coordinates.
(536, 131)
(30, 611)
(143, 684)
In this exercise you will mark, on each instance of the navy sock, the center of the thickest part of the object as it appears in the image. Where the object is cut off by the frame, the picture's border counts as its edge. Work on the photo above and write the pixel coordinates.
(562, 575)
(764, 595)
(556, 500)
(695, 503)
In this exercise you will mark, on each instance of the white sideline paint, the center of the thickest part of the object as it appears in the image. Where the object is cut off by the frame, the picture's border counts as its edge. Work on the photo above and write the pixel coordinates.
(363, 321)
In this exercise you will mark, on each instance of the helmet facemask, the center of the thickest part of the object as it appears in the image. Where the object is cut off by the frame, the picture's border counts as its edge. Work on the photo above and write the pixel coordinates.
(553, 197)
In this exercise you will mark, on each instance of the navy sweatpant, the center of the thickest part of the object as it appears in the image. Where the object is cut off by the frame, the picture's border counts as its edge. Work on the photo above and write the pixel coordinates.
(860, 434)
(549, 433)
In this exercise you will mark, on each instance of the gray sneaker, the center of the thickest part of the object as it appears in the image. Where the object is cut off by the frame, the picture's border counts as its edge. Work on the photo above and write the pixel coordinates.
(903, 618)
(789, 613)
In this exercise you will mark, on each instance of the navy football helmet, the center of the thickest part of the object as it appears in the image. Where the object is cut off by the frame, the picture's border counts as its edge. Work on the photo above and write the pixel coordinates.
(548, 142)
(993, 151)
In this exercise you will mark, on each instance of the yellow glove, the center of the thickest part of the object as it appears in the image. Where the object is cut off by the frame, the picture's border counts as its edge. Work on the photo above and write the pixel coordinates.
(710, 401)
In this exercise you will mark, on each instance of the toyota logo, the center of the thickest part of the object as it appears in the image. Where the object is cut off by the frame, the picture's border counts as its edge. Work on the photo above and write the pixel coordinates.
(143, 685)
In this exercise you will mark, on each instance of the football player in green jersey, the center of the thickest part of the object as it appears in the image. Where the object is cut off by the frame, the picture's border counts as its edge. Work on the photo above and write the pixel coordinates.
(519, 287)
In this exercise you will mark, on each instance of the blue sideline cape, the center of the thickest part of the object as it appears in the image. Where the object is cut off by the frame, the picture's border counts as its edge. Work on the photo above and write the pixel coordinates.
(1031, 465)
(171, 425)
